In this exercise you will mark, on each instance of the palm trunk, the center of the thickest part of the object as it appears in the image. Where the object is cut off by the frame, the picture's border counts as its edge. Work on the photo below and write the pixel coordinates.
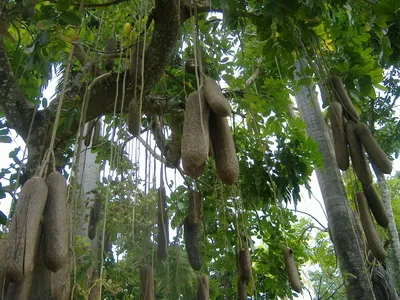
(87, 174)
(340, 216)
(392, 229)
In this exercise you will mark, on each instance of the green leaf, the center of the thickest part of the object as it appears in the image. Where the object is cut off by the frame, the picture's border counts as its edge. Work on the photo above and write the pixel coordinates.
(48, 12)
(3, 218)
(5, 139)
(45, 24)
(70, 17)
(228, 78)
(63, 5)
(224, 60)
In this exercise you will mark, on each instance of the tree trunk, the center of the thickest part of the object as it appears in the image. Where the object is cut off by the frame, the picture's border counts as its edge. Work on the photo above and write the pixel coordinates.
(87, 174)
(340, 216)
(392, 229)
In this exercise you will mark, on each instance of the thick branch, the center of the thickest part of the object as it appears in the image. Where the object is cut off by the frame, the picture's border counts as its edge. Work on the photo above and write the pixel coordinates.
(187, 8)
(19, 111)
(103, 97)
(163, 41)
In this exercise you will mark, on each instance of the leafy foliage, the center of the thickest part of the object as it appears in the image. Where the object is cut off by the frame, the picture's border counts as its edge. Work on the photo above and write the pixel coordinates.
(252, 47)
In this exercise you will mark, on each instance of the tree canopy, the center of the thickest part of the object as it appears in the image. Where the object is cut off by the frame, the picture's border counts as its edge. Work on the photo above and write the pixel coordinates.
(106, 54)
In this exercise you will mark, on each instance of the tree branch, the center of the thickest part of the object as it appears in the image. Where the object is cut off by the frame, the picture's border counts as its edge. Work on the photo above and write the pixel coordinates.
(19, 111)
(163, 40)
(100, 4)
(152, 152)
(315, 219)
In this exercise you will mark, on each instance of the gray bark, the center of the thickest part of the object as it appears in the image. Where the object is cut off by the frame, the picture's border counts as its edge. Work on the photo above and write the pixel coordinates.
(340, 217)
(392, 229)
(87, 175)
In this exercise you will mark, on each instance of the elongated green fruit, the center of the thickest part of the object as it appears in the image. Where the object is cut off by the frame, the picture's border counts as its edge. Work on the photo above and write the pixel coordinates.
(204, 281)
(242, 292)
(20, 290)
(245, 271)
(195, 211)
(107, 243)
(195, 137)
(89, 131)
(224, 149)
(190, 66)
(339, 137)
(374, 242)
(196, 172)
(111, 45)
(291, 270)
(202, 292)
(375, 152)
(97, 207)
(55, 229)
(60, 281)
(162, 225)
(376, 205)
(133, 120)
(357, 154)
(92, 224)
(96, 134)
(24, 236)
(215, 99)
(146, 282)
(341, 96)
(191, 237)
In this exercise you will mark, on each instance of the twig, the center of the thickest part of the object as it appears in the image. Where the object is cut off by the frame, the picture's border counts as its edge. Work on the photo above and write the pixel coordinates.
(337, 289)
(309, 293)
(100, 4)
(302, 212)
(319, 287)
(110, 53)
(152, 152)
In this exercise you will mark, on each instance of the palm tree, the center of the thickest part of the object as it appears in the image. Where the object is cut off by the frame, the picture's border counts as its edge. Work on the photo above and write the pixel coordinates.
(341, 221)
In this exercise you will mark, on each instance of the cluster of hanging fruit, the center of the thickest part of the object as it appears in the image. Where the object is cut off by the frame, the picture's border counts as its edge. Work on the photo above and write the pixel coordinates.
(205, 131)
(205, 123)
(353, 138)
(192, 238)
(28, 233)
